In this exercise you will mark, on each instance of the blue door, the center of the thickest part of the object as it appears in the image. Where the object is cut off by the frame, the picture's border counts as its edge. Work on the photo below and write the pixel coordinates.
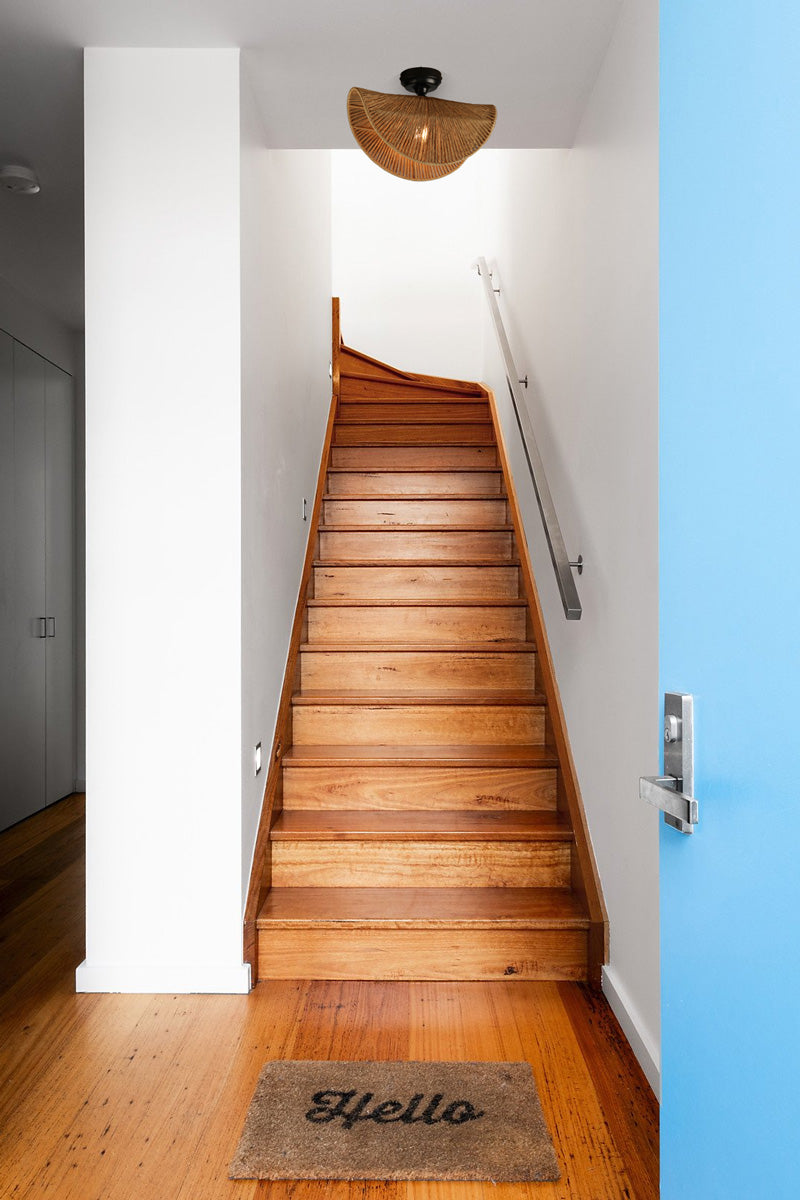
(730, 594)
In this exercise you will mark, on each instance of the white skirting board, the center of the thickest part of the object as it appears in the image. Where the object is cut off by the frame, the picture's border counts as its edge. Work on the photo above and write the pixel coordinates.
(642, 1044)
(212, 979)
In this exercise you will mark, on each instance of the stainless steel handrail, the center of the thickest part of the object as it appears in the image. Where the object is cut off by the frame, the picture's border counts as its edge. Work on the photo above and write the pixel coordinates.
(552, 530)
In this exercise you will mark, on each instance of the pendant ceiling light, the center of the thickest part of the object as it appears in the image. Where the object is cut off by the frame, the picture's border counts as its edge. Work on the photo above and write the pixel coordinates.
(416, 137)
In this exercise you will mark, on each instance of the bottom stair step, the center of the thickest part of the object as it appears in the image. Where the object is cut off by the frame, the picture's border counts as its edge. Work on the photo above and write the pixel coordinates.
(422, 933)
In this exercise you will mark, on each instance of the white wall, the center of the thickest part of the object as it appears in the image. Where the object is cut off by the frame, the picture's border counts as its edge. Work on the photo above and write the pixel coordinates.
(575, 241)
(286, 392)
(402, 254)
(207, 390)
(80, 560)
(163, 534)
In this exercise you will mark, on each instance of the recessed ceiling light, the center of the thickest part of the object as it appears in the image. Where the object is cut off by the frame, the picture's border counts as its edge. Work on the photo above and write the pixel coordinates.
(22, 180)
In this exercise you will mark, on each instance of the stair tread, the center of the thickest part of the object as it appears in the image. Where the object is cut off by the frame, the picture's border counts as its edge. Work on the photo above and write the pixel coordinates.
(471, 696)
(487, 470)
(399, 908)
(415, 826)
(401, 756)
(415, 420)
(415, 562)
(418, 602)
(452, 527)
(456, 387)
(379, 445)
(414, 647)
(412, 498)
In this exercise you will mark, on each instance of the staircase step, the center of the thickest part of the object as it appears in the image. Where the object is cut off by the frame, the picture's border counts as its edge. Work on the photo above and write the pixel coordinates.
(354, 387)
(376, 411)
(409, 826)
(412, 849)
(407, 723)
(422, 933)
(370, 543)
(377, 621)
(404, 458)
(466, 482)
(448, 527)
(471, 696)
(403, 386)
(425, 755)
(414, 788)
(415, 562)
(404, 908)
(397, 582)
(422, 510)
(439, 481)
(404, 434)
(401, 497)
(409, 667)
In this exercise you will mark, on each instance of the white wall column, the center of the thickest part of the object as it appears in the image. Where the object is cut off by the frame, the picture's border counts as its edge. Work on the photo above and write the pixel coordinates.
(163, 532)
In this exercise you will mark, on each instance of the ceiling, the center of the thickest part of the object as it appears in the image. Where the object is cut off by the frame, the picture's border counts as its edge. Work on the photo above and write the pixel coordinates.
(535, 59)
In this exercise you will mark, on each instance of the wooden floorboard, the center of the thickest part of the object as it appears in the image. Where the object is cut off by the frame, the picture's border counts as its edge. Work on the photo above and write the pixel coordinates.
(143, 1097)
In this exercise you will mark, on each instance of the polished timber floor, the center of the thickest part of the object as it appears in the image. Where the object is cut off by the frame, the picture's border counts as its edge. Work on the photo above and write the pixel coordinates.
(139, 1097)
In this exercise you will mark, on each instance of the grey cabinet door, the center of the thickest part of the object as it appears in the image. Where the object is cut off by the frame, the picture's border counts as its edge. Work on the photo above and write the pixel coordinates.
(60, 583)
(7, 589)
(22, 606)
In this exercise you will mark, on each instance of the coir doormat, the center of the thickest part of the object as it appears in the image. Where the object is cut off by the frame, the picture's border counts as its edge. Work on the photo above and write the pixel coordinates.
(395, 1120)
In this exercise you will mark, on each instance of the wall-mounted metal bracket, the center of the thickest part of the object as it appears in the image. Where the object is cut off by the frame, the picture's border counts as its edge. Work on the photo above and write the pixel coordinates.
(672, 792)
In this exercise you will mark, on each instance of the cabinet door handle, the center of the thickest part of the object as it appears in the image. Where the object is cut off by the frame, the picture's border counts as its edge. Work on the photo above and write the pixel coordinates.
(42, 622)
(51, 627)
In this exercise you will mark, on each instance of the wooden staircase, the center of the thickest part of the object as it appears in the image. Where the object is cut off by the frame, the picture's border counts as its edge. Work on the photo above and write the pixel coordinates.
(421, 817)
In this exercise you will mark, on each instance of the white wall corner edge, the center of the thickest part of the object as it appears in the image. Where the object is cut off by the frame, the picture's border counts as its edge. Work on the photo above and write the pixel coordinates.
(143, 979)
(641, 1042)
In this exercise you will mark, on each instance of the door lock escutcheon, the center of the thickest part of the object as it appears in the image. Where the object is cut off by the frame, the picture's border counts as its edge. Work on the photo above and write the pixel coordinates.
(673, 792)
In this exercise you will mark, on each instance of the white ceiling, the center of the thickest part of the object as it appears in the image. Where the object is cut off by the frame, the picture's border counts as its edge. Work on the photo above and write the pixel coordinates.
(535, 59)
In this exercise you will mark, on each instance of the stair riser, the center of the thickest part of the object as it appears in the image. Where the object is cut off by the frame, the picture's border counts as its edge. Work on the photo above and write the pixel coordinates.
(408, 583)
(404, 458)
(473, 789)
(432, 954)
(414, 512)
(418, 725)
(454, 546)
(420, 864)
(410, 483)
(401, 624)
(398, 671)
(412, 410)
(405, 435)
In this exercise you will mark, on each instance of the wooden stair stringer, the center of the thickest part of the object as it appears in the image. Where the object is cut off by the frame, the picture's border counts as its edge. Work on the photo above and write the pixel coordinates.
(585, 875)
(272, 802)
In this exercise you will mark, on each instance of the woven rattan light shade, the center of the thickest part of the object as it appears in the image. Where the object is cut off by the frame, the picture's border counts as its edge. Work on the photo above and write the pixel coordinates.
(417, 137)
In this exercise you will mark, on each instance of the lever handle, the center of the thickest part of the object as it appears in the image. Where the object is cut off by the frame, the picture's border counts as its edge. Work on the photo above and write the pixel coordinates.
(662, 792)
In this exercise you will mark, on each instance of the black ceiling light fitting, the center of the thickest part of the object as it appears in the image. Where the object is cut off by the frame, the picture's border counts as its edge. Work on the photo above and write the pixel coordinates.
(416, 137)
(420, 80)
